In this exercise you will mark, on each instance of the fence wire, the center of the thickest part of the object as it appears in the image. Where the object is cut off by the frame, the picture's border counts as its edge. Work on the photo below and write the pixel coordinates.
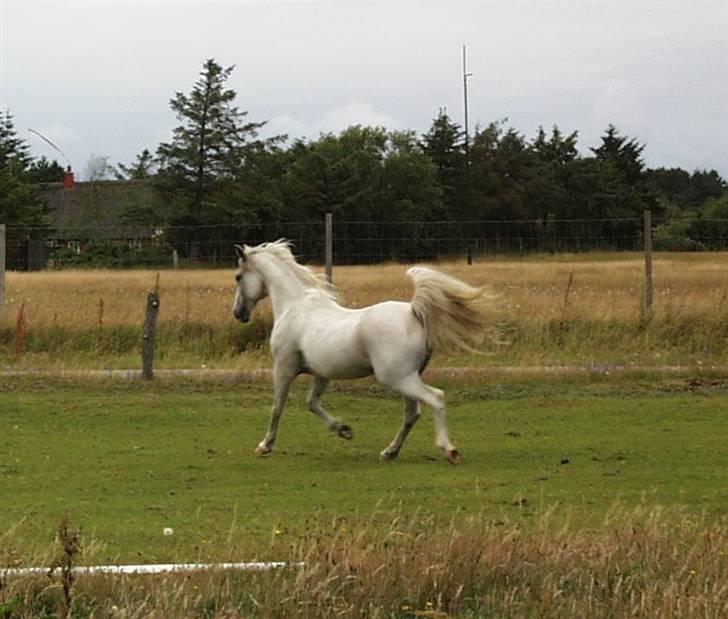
(354, 242)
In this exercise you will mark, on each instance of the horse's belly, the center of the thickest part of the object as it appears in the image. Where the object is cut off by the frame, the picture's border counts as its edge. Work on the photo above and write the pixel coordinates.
(335, 353)
(336, 364)
(338, 372)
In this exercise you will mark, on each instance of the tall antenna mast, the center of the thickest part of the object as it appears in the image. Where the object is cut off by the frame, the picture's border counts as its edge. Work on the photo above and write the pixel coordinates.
(466, 75)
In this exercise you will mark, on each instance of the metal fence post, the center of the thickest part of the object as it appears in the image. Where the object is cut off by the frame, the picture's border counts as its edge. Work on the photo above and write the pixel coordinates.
(2, 269)
(648, 263)
(329, 246)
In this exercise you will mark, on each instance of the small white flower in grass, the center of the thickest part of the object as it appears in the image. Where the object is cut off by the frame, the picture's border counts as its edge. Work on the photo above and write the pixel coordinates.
(167, 531)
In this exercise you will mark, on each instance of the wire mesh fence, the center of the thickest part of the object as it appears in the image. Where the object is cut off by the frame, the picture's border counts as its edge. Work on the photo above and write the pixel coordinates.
(354, 242)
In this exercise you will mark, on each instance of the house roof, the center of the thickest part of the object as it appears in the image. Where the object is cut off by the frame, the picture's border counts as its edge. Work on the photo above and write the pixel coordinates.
(97, 209)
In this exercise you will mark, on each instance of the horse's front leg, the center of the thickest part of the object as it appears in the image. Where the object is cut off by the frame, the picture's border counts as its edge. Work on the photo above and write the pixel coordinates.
(283, 375)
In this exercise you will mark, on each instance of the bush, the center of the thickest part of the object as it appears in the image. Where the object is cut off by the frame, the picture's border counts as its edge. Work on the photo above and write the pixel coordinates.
(676, 235)
(111, 254)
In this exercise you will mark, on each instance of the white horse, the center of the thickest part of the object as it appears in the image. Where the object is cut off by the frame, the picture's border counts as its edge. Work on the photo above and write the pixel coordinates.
(313, 334)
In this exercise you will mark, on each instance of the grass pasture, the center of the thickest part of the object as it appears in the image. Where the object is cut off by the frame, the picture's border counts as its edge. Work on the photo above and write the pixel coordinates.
(609, 479)
(579, 495)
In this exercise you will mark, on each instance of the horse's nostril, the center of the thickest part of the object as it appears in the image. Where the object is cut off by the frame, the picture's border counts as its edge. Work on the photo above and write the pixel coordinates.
(241, 315)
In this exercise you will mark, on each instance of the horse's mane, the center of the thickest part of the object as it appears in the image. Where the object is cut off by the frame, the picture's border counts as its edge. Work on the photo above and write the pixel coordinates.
(281, 251)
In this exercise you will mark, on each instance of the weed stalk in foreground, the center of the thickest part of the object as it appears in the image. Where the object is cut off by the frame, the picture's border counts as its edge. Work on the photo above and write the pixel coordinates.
(70, 548)
(21, 328)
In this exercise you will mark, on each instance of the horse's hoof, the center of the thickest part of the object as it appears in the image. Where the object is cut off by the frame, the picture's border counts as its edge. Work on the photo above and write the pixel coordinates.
(453, 456)
(345, 432)
(386, 456)
(263, 451)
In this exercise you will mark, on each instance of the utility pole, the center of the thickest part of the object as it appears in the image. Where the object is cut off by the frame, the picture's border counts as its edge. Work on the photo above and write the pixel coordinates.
(329, 246)
(2, 269)
(466, 75)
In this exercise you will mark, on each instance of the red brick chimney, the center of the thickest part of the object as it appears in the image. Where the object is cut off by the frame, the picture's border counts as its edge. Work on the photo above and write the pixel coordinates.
(68, 178)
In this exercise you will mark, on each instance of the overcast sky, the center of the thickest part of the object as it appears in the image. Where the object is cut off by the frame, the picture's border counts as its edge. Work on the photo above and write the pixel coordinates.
(96, 77)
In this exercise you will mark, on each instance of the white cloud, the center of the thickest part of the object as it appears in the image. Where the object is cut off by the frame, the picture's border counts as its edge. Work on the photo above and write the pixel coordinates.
(333, 121)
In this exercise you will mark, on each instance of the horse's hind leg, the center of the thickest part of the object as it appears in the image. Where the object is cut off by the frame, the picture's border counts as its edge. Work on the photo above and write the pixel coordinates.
(413, 387)
(314, 405)
(411, 415)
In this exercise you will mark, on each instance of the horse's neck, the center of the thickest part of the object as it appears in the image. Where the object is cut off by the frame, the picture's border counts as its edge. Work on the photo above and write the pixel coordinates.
(284, 288)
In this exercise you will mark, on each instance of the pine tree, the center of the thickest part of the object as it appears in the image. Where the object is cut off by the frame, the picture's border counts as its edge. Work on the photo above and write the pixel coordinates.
(444, 143)
(625, 154)
(45, 171)
(201, 168)
(143, 167)
(13, 150)
(19, 204)
(210, 145)
(615, 186)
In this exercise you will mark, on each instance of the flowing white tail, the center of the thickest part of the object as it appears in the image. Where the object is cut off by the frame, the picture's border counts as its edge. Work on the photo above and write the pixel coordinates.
(454, 314)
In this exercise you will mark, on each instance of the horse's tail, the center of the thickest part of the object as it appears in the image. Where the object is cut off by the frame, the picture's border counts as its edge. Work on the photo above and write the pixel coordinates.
(455, 316)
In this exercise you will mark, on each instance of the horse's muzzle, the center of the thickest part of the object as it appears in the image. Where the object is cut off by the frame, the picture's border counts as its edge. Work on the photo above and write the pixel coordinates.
(242, 315)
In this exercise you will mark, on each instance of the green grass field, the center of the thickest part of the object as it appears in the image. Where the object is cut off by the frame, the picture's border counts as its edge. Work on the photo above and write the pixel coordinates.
(126, 459)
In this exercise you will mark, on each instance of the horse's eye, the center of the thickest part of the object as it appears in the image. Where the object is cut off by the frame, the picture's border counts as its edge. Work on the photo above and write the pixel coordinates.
(238, 277)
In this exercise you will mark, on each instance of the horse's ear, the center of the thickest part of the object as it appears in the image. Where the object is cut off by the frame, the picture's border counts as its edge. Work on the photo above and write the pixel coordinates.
(240, 252)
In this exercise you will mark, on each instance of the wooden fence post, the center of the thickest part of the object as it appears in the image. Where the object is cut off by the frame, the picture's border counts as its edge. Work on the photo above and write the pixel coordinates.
(149, 333)
(648, 263)
(2, 269)
(329, 246)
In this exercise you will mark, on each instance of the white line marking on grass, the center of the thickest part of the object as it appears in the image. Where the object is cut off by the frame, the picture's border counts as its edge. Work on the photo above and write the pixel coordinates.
(154, 568)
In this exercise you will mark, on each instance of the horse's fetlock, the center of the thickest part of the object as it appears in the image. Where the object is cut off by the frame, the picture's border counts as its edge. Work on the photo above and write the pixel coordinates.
(345, 431)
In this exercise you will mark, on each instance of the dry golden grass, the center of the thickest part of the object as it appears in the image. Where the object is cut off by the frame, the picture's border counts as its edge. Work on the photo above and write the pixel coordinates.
(603, 287)
(533, 289)
(581, 309)
(640, 564)
(71, 298)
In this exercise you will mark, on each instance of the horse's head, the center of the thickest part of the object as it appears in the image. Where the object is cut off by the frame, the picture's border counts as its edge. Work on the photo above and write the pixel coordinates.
(250, 287)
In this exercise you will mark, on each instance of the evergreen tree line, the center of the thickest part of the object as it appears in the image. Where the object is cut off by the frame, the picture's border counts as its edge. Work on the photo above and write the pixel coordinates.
(393, 194)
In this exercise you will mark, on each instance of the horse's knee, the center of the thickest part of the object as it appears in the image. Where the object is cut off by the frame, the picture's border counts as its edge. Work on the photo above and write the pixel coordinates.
(438, 396)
